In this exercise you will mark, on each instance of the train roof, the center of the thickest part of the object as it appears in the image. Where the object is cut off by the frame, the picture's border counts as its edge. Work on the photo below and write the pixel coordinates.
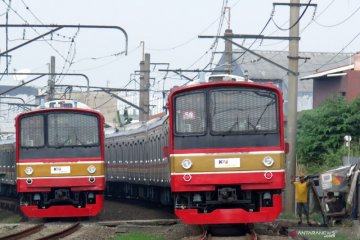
(138, 127)
(64, 103)
(204, 85)
(7, 141)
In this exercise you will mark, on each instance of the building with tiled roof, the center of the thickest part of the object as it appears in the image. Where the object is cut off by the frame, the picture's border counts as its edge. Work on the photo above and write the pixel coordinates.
(260, 70)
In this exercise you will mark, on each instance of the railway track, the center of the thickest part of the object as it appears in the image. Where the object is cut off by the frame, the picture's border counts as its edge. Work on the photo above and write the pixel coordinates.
(207, 236)
(29, 233)
(246, 232)
(24, 233)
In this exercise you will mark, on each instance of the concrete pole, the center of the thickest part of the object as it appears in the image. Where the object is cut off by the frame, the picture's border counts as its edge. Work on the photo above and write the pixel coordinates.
(228, 52)
(292, 107)
(51, 81)
(144, 102)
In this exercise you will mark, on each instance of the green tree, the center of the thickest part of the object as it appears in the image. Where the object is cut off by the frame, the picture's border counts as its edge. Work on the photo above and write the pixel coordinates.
(321, 133)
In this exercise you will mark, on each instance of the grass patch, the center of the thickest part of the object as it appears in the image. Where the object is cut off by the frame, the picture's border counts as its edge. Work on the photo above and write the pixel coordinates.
(138, 236)
(9, 217)
(316, 216)
(287, 216)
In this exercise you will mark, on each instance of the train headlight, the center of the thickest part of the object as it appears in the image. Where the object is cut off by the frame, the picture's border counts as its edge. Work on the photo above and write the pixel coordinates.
(29, 170)
(268, 161)
(91, 169)
(186, 163)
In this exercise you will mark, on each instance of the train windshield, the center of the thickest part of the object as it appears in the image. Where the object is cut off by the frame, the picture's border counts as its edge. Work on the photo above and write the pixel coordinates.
(227, 117)
(67, 129)
(32, 131)
(190, 114)
(243, 111)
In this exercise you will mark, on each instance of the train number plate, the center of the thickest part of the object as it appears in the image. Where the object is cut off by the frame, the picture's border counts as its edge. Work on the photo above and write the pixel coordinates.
(227, 162)
(60, 169)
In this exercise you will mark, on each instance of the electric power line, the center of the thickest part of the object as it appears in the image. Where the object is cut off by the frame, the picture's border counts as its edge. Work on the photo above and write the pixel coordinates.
(296, 22)
(339, 23)
(328, 62)
(34, 29)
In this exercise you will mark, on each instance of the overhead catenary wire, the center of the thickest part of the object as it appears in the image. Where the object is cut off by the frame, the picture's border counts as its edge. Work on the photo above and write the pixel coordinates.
(38, 19)
(34, 29)
(339, 23)
(213, 45)
(216, 41)
(69, 58)
(6, 12)
(296, 22)
(193, 37)
(117, 55)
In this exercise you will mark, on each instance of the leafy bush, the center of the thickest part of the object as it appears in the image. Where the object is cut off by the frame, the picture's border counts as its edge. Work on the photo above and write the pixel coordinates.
(321, 131)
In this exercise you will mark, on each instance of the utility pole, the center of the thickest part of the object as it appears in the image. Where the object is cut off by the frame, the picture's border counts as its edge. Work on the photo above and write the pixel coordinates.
(7, 37)
(51, 81)
(144, 87)
(228, 52)
(228, 45)
(292, 104)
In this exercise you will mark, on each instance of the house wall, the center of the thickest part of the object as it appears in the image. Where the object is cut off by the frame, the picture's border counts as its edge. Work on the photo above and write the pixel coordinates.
(325, 88)
(352, 84)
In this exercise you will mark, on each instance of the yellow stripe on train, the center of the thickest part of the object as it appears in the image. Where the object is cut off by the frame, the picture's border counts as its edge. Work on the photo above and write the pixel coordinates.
(223, 162)
(60, 169)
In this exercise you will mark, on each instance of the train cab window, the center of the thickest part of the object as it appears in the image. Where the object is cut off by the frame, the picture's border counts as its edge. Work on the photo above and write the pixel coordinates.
(32, 131)
(243, 111)
(66, 129)
(190, 114)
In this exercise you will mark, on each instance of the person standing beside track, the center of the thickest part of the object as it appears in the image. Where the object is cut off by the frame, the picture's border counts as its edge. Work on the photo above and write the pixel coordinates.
(301, 194)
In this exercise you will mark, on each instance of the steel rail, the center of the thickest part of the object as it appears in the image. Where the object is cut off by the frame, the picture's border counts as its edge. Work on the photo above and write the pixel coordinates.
(23, 233)
(73, 228)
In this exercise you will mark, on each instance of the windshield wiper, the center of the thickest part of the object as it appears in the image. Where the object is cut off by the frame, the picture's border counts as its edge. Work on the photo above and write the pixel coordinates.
(234, 125)
(262, 114)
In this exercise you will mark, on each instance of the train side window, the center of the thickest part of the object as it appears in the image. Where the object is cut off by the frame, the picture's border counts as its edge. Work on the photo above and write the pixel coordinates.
(146, 149)
(154, 148)
(159, 148)
(151, 149)
(119, 152)
(107, 153)
(124, 146)
(141, 143)
(131, 157)
(136, 152)
(113, 153)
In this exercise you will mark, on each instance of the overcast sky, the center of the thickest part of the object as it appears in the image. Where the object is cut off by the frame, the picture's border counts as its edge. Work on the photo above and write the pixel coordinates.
(169, 29)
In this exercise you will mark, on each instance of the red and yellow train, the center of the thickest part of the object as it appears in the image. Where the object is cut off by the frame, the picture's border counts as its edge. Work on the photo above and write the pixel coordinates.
(59, 157)
(218, 155)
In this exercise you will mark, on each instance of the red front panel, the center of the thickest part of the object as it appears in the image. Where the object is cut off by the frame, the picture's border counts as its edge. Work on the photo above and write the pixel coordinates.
(64, 211)
(230, 216)
(76, 184)
(208, 181)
